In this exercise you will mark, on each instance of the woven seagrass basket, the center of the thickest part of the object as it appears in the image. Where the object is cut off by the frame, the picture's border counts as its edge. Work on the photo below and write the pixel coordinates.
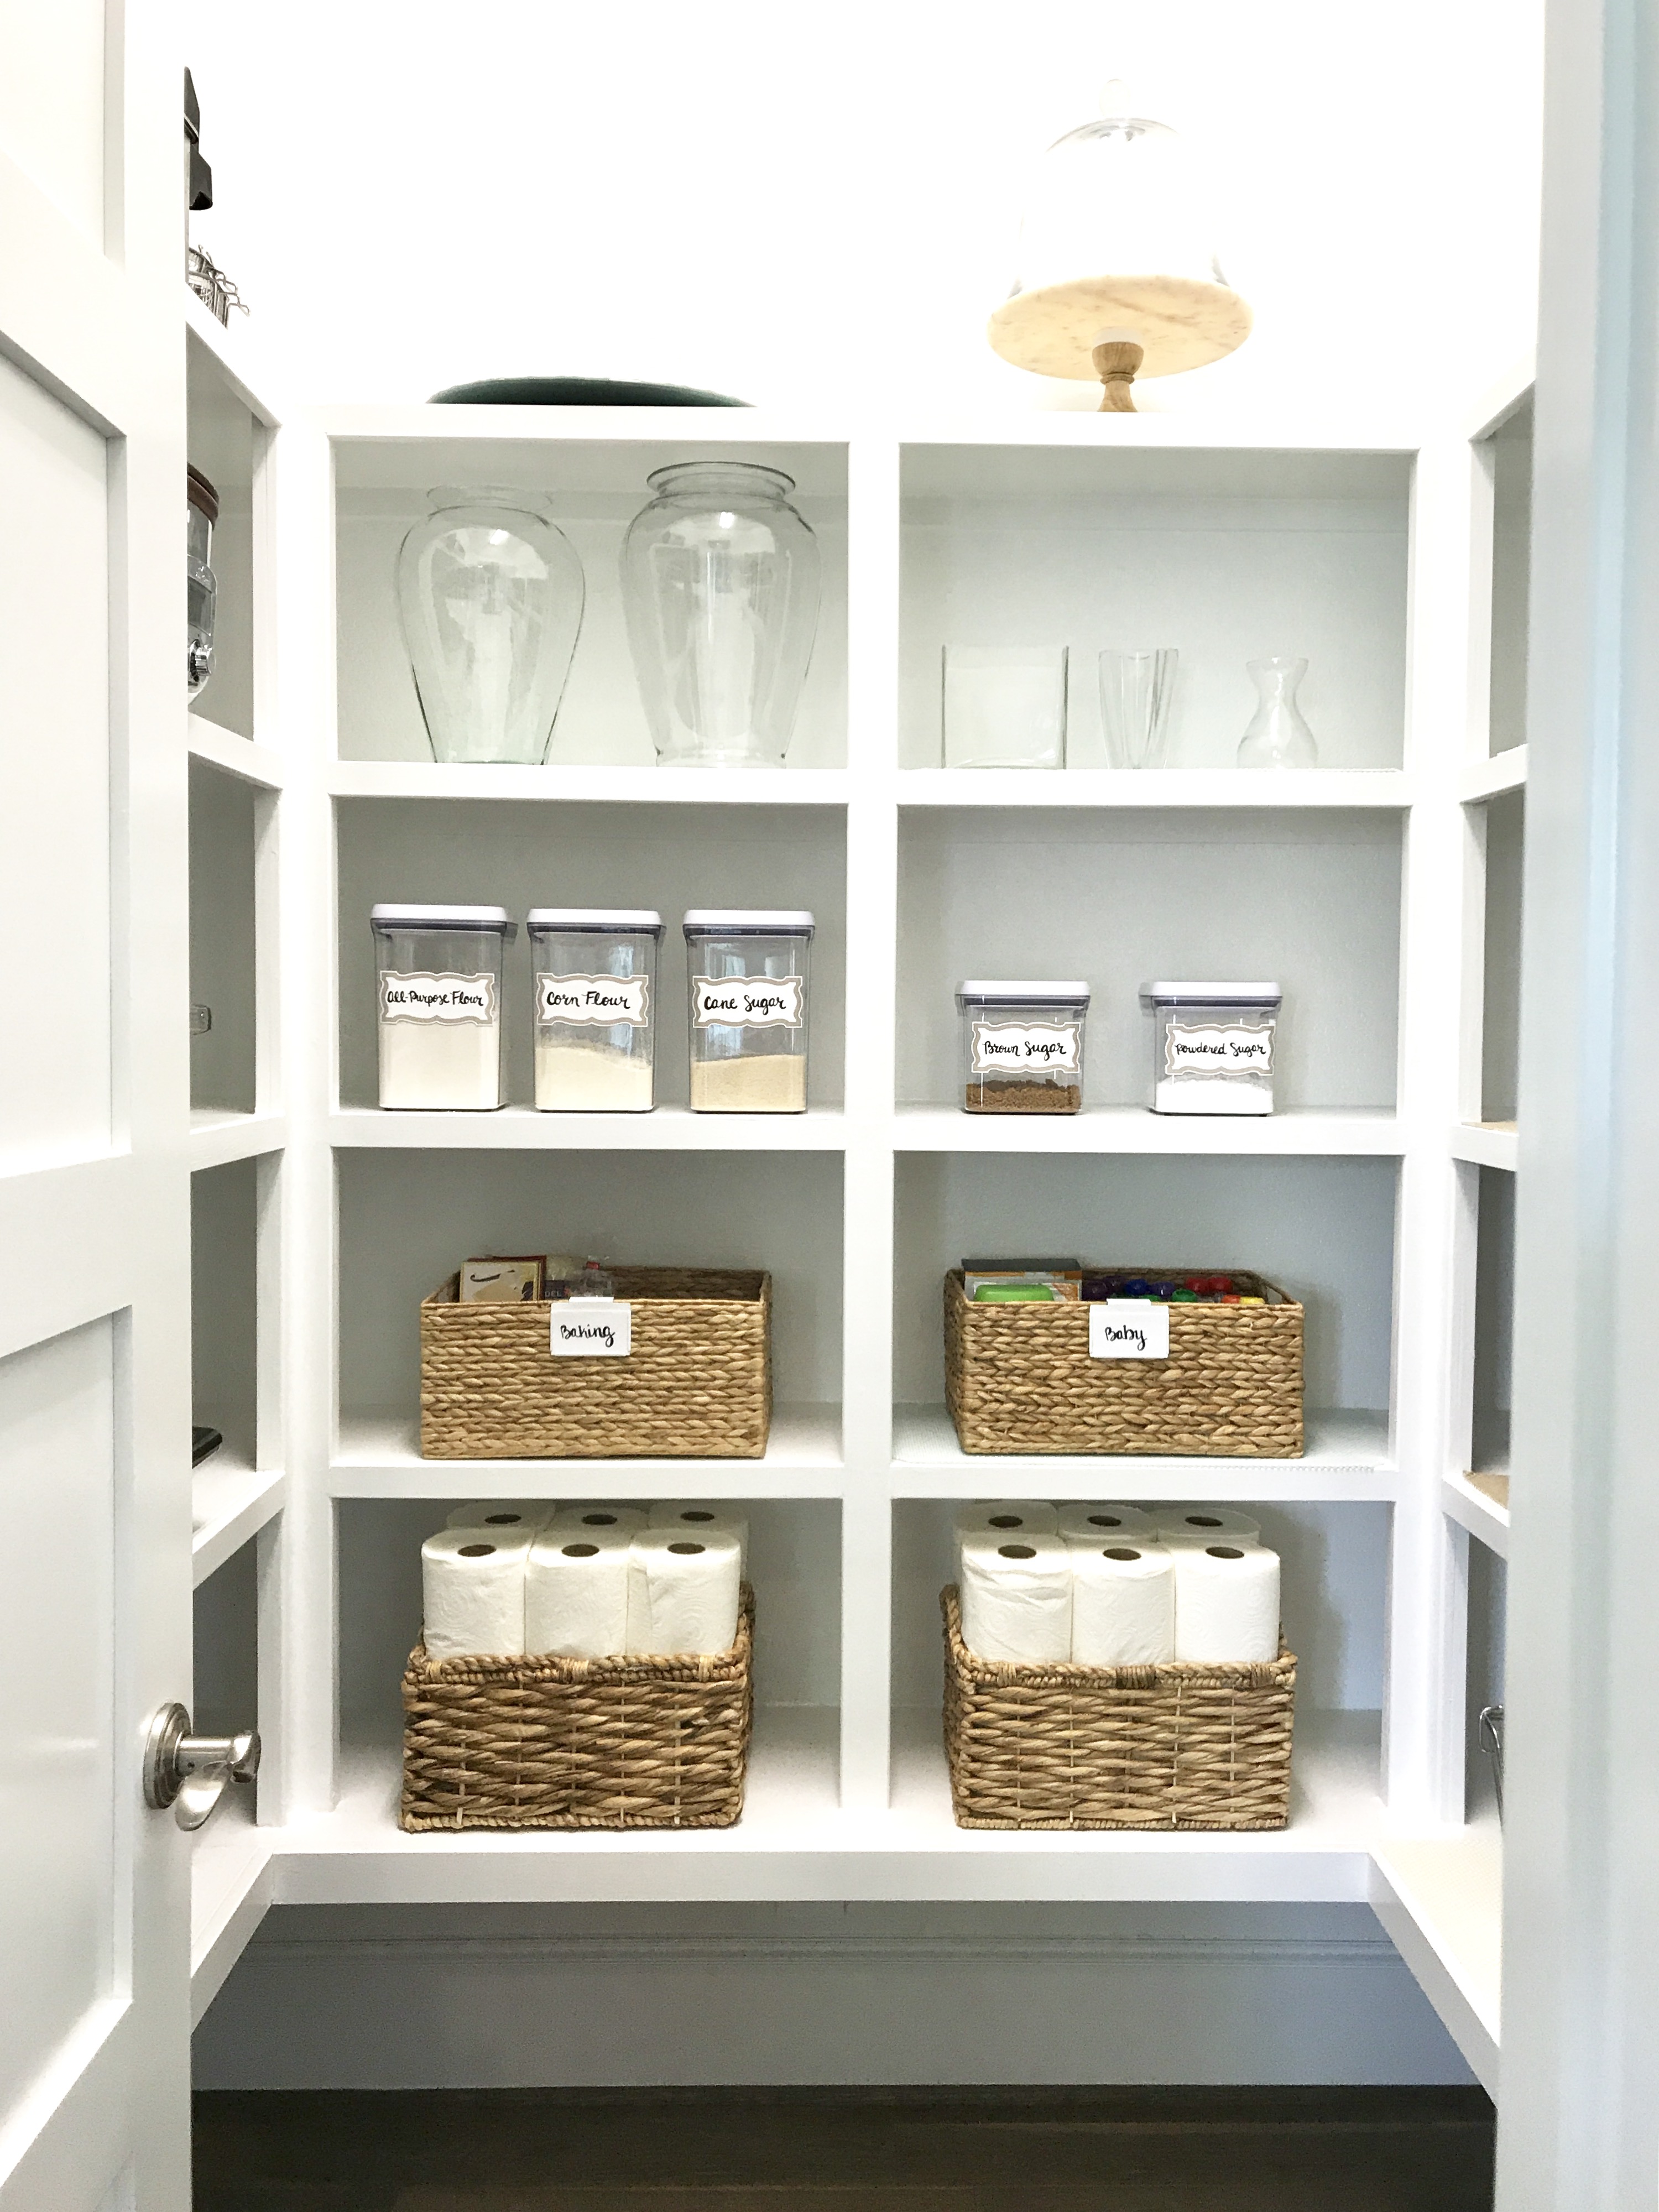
(1019, 1378)
(1062, 1746)
(697, 1383)
(578, 1743)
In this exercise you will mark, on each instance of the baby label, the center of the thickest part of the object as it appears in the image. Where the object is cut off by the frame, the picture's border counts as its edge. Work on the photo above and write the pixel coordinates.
(1036, 1045)
(1128, 1328)
(601, 1000)
(591, 1328)
(752, 1002)
(1218, 1051)
(437, 998)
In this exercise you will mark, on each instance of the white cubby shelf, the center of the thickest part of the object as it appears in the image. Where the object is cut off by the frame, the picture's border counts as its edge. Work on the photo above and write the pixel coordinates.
(1382, 550)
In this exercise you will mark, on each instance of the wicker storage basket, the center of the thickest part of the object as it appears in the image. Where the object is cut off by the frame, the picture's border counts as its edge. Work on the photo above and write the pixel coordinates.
(578, 1743)
(1019, 1378)
(1177, 1746)
(697, 1383)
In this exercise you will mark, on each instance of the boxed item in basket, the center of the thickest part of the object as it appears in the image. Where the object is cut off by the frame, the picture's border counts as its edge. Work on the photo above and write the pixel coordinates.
(676, 1364)
(1140, 1364)
(1184, 1745)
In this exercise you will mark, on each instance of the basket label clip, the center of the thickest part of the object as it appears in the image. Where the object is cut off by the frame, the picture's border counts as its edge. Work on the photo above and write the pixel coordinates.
(1128, 1328)
(591, 1328)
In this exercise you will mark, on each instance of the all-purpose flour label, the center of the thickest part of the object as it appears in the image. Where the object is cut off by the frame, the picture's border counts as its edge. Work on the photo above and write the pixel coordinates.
(750, 1002)
(601, 1000)
(1128, 1328)
(437, 998)
(1241, 1049)
(1036, 1045)
(591, 1328)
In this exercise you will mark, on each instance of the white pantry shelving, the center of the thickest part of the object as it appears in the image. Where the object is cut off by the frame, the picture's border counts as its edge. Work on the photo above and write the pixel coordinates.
(1367, 545)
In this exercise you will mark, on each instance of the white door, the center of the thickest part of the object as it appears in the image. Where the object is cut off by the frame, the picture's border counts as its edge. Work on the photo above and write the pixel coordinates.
(94, 1331)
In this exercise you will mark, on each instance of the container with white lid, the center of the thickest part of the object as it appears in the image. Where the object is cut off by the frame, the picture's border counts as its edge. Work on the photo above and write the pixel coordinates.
(1022, 1046)
(594, 976)
(441, 1005)
(748, 973)
(1212, 1046)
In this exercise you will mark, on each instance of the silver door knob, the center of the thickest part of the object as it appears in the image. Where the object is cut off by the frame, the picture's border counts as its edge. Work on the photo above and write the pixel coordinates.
(190, 1772)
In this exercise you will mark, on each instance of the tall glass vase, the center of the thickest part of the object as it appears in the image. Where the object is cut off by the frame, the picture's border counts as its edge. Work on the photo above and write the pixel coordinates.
(720, 579)
(490, 594)
(1278, 736)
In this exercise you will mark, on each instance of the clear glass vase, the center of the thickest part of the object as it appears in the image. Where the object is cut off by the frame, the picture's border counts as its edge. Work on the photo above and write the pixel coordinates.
(1135, 690)
(1278, 736)
(719, 580)
(490, 594)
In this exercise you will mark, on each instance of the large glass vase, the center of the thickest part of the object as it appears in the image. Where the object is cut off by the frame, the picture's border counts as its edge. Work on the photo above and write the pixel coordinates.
(490, 593)
(719, 580)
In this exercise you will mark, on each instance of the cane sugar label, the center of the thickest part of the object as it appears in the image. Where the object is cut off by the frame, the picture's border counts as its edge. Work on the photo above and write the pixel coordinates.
(1244, 1048)
(1128, 1328)
(601, 1001)
(437, 998)
(591, 1328)
(748, 1002)
(1034, 1046)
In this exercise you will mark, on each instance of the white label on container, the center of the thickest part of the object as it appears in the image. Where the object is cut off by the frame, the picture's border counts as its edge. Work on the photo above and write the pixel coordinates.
(601, 1000)
(1036, 1045)
(1128, 1328)
(1241, 1049)
(749, 1002)
(591, 1328)
(437, 998)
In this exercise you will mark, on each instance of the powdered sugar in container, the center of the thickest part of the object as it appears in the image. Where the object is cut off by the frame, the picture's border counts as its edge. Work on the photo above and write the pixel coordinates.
(1212, 1046)
(594, 974)
(441, 1005)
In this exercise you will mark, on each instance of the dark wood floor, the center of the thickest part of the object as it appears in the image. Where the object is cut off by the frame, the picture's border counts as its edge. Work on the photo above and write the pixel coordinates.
(724, 2150)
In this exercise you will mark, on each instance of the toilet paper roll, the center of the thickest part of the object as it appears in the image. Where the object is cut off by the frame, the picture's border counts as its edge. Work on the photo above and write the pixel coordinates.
(600, 1515)
(1106, 1524)
(682, 1591)
(1016, 1596)
(1226, 1601)
(527, 1514)
(1006, 1516)
(1208, 1524)
(575, 1592)
(1123, 1605)
(472, 1592)
(696, 1516)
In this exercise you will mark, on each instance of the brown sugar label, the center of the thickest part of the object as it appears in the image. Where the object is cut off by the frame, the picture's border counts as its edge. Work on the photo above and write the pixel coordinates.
(422, 998)
(600, 1001)
(1026, 1047)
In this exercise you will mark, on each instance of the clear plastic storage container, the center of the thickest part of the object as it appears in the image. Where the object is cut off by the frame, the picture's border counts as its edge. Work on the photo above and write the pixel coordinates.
(1212, 1047)
(748, 972)
(594, 974)
(441, 1005)
(1022, 1047)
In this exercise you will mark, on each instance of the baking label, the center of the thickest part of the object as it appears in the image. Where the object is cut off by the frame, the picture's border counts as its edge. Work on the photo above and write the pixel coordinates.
(1036, 1045)
(601, 1000)
(1242, 1048)
(1128, 1328)
(437, 998)
(591, 1328)
(749, 1002)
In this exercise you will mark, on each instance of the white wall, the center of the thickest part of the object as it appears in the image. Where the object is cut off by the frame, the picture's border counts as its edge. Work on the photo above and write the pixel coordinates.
(791, 203)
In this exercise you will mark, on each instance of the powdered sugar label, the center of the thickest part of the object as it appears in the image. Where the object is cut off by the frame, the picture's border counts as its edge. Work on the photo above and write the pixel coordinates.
(591, 1328)
(422, 998)
(1032, 1045)
(598, 1001)
(1128, 1328)
(1244, 1048)
(750, 1002)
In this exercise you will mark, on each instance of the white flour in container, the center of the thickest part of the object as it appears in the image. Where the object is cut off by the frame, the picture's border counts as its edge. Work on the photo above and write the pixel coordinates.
(758, 1083)
(441, 1064)
(590, 1079)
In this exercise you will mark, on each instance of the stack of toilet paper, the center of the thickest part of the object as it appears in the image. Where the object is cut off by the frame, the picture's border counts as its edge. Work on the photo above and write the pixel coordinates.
(505, 1578)
(1114, 1585)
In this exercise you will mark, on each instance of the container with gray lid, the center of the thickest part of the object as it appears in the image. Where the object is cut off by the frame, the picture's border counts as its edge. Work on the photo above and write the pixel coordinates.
(1022, 1044)
(1212, 1049)
(748, 977)
(594, 976)
(440, 999)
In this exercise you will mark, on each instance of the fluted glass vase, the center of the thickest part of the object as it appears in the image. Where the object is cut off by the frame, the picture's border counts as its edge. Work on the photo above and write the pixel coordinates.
(1278, 736)
(490, 594)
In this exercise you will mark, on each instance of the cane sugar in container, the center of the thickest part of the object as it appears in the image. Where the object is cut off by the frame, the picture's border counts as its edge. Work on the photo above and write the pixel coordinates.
(441, 1005)
(1212, 1047)
(594, 974)
(1022, 1047)
(748, 977)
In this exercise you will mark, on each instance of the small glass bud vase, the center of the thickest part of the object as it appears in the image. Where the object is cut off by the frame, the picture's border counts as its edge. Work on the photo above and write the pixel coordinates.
(1279, 736)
